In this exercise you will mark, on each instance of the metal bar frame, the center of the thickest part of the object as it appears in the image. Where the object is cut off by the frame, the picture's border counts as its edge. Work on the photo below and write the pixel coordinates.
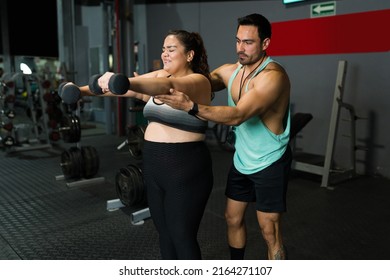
(325, 170)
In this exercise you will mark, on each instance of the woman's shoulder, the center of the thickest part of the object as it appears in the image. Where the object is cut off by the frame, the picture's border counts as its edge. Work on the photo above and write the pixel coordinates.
(201, 78)
(160, 73)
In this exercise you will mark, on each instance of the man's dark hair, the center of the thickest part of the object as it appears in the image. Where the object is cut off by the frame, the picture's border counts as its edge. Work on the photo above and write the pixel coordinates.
(263, 25)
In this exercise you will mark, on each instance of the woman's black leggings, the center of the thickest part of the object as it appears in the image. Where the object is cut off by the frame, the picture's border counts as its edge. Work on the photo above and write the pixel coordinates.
(178, 179)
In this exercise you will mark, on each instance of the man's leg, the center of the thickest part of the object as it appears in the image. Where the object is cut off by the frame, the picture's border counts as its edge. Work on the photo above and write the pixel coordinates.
(236, 229)
(271, 230)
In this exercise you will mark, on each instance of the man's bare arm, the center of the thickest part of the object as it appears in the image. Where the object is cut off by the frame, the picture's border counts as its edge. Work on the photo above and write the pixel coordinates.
(219, 114)
(220, 76)
(262, 98)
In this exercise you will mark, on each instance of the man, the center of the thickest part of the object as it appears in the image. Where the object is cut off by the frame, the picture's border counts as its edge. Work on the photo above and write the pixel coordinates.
(258, 99)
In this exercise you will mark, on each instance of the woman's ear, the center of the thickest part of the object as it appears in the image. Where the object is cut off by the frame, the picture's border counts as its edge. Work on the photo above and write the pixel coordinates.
(190, 55)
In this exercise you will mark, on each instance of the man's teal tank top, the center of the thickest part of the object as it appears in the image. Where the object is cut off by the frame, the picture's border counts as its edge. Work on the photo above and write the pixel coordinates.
(256, 147)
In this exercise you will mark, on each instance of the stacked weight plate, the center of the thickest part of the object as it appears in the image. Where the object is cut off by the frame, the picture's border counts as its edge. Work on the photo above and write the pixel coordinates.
(70, 129)
(130, 186)
(80, 162)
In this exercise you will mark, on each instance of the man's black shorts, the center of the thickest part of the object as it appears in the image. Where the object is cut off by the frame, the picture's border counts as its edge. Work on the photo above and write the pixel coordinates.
(267, 187)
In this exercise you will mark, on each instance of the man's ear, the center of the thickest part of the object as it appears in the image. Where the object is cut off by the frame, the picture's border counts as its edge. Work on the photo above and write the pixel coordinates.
(266, 43)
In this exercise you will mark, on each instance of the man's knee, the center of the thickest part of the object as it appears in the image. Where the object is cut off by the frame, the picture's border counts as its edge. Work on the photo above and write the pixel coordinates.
(233, 220)
(269, 225)
(234, 212)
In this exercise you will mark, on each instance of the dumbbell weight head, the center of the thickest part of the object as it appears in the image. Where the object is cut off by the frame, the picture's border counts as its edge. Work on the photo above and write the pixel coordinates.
(119, 84)
(60, 87)
(10, 99)
(10, 114)
(8, 141)
(55, 135)
(56, 99)
(8, 126)
(46, 84)
(94, 86)
(69, 93)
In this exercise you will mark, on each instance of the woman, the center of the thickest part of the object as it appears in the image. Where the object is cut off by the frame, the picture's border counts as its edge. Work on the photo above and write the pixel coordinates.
(177, 165)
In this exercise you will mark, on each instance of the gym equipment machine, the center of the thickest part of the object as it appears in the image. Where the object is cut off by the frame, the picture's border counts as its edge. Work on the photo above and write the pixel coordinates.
(224, 135)
(7, 99)
(323, 165)
(35, 108)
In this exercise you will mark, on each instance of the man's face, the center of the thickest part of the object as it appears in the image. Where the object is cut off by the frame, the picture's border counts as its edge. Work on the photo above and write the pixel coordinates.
(248, 44)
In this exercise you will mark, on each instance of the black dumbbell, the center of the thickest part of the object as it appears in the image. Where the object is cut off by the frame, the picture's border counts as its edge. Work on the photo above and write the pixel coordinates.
(93, 85)
(118, 84)
(69, 93)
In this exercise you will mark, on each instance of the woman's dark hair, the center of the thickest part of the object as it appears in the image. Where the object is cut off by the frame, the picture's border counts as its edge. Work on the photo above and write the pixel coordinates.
(263, 25)
(193, 41)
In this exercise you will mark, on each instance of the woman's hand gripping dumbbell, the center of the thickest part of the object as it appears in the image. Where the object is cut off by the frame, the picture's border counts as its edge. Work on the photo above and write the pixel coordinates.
(118, 84)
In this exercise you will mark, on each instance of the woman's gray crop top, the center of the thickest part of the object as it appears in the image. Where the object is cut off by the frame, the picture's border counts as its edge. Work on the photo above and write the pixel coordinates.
(179, 119)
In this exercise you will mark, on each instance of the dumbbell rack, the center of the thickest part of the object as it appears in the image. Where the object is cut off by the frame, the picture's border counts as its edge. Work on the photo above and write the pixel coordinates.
(8, 140)
(82, 181)
(137, 217)
(35, 143)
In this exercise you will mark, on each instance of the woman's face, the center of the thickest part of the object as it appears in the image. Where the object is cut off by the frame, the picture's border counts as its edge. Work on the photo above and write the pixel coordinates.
(173, 56)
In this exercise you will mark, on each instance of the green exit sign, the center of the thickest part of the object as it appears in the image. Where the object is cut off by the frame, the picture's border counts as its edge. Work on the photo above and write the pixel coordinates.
(323, 9)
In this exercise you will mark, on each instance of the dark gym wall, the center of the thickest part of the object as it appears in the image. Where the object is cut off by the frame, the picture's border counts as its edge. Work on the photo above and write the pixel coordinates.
(33, 28)
(313, 76)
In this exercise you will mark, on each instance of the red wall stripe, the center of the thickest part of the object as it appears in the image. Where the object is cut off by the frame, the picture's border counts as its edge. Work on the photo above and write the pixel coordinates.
(349, 33)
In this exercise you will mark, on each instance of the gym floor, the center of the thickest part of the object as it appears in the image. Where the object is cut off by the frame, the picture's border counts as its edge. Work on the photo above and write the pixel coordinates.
(45, 218)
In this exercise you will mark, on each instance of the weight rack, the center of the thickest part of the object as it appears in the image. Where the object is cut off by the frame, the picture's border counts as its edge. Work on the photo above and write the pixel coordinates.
(135, 133)
(81, 181)
(37, 142)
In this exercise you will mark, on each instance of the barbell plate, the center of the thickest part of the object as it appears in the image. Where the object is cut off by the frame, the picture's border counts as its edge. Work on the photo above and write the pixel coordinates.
(90, 161)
